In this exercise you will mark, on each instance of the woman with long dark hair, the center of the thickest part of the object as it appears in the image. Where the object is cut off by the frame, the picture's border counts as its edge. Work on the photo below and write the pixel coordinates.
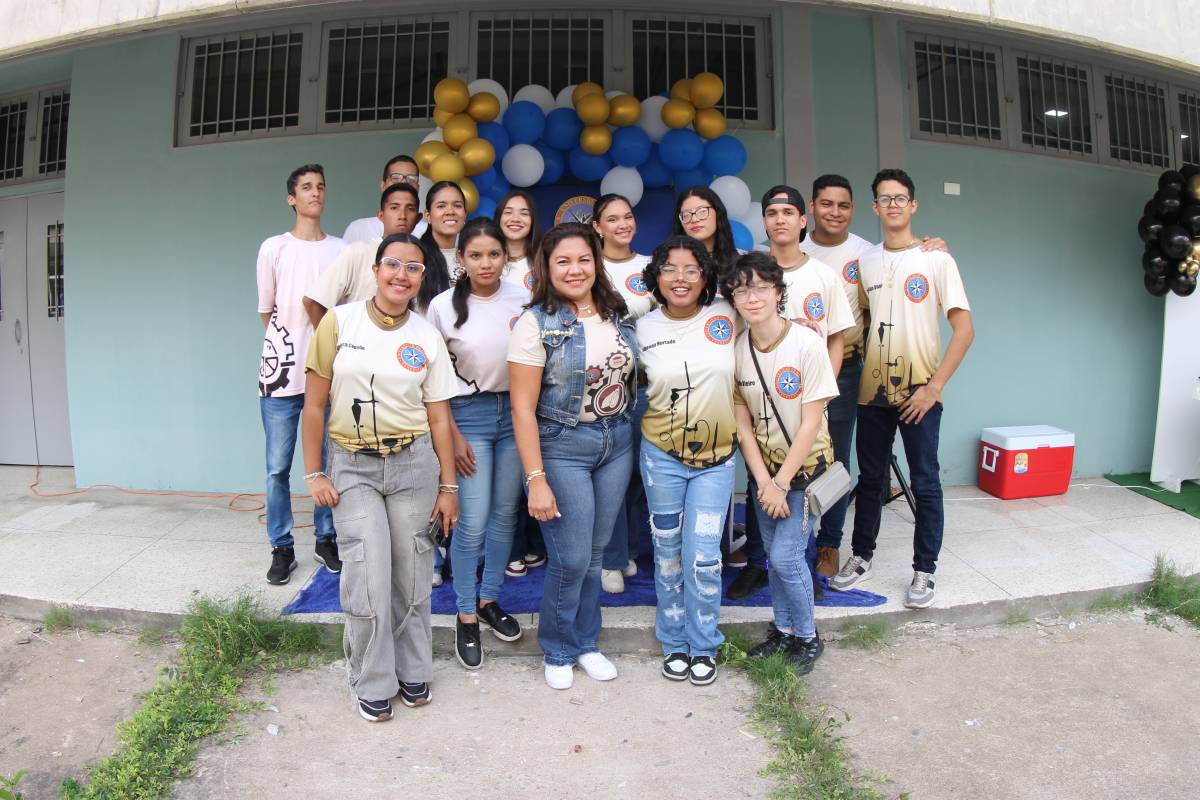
(700, 214)
(517, 214)
(445, 213)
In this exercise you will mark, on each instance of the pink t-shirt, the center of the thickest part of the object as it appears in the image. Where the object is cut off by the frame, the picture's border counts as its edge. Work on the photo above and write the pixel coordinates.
(286, 266)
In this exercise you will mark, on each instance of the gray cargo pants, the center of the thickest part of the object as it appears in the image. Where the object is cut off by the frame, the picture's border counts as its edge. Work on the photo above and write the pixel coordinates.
(387, 564)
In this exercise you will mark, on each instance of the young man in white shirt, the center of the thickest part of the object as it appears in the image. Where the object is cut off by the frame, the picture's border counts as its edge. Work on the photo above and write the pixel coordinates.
(287, 263)
(398, 169)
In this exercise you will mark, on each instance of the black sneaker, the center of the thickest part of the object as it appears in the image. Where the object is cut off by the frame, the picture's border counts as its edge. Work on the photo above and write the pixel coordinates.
(748, 581)
(415, 694)
(504, 627)
(675, 666)
(703, 670)
(467, 648)
(326, 554)
(375, 710)
(805, 652)
(777, 642)
(283, 561)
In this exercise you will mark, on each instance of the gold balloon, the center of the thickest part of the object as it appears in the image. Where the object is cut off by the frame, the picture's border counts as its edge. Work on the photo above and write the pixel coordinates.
(706, 90)
(584, 89)
(1193, 187)
(477, 155)
(470, 194)
(451, 94)
(682, 90)
(595, 139)
(484, 107)
(447, 167)
(458, 130)
(441, 116)
(427, 153)
(678, 113)
(709, 123)
(592, 109)
(1195, 256)
(624, 110)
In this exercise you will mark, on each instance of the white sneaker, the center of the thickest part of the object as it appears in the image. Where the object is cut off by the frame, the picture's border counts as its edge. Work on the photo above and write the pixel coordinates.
(920, 591)
(597, 667)
(560, 676)
(630, 569)
(612, 581)
(854, 571)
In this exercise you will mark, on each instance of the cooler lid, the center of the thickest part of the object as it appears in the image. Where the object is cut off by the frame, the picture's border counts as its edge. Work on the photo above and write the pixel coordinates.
(1028, 437)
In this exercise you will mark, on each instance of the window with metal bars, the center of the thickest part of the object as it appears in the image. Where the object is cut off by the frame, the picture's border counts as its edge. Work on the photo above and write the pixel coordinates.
(55, 308)
(52, 155)
(1189, 126)
(1054, 98)
(1137, 121)
(384, 70)
(553, 50)
(13, 116)
(666, 48)
(958, 89)
(245, 83)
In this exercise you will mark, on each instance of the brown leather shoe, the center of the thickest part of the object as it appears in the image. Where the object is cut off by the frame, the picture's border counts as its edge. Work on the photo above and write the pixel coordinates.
(827, 561)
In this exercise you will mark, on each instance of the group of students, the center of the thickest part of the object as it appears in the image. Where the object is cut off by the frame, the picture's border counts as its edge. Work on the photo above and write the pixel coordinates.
(455, 379)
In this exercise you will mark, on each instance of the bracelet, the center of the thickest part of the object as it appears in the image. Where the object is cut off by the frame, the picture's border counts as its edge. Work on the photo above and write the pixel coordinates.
(312, 476)
(448, 488)
(777, 486)
(537, 473)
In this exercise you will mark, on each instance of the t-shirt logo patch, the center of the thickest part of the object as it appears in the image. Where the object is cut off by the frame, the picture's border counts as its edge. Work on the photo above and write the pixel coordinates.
(512, 323)
(814, 307)
(636, 284)
(528, 281)
(412, 357)
(787, 383)
(719, 329)
(850, 271)
(916, 287)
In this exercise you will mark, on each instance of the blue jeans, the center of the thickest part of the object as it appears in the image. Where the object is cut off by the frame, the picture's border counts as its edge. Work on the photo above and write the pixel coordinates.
(488, 499)
(687, 519)
(843, 411)
(586, 466)
(623, 546)
(790, 579)
(281, 419)
(756, 554)
(876, 432)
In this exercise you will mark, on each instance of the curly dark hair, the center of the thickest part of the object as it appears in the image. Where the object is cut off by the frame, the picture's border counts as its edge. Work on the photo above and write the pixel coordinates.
(724, 252)
(609, 303)
(765, 267)
(480, 226)
(708, 267)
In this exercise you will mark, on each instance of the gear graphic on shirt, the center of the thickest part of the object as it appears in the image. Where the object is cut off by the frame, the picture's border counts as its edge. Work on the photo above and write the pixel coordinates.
(278, 358)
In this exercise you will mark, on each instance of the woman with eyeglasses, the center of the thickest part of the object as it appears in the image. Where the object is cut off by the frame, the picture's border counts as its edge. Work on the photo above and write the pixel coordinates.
(687, 451)
(700, 214)
(784, 380)
(475, 318)
(517, 213)
(571, 365)
(386, 376)
(445, 213)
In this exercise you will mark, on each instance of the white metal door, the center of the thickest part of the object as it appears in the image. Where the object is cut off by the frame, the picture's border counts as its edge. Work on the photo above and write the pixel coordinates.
(17, 442)
(47, 340)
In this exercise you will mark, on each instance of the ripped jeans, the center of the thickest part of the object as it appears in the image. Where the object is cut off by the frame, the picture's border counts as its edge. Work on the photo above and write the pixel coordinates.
(687, 518)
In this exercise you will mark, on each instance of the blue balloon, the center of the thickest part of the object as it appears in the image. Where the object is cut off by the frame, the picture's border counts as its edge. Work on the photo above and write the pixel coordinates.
(743, 239)
(500, 187)
(494, 132)
(524, 122)
(681, 149)
(563, 127)
(587, 167)
(724, 155)
(554, 162)
(484, 180)
(685, 179)
(630, 146)
(487, 208)
(655, 174)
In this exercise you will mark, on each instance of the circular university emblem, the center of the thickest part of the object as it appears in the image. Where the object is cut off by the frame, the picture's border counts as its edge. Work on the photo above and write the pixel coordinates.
(814, 307)
(412, 357)
(787, 383)
(637, 284)
(850, 271)
(916, 287)
(512, 323)
(528, 280)
(719, 329)
(575, 209)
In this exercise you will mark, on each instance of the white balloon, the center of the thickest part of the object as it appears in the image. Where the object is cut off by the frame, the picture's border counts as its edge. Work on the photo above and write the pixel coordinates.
(536, 94)
(523, 165)
(564, 97)
(753, 220)
(651, 120)
(734, 193)
(433, 136)
(488, 85)
(423, 187)
(613, 93)
(625, 181)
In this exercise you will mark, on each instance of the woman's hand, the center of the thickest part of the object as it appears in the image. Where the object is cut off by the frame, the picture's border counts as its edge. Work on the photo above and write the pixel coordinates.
(773, 501)
(446, 505)
(464, 456)
(542, 505)
(322, 492)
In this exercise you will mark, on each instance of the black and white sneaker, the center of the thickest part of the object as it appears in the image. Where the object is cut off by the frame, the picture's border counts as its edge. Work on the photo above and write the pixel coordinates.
(805, 652)
(326, 554)
(415, 694)
(504, 627)
(283, 561)
(777, 642)
(375, 710)
(675, 667)
(467, 647)
(702, 671)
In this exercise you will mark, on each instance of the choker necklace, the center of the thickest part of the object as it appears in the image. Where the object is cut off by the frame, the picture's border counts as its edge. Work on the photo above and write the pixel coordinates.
(388, 319)
(580, 310)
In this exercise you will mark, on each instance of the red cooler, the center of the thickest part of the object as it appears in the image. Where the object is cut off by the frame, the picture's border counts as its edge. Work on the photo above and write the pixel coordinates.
(1025, 461)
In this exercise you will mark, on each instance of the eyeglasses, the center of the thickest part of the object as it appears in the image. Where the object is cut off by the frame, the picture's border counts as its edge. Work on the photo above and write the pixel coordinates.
(758, 290)
(897, 200)
(413, 268)
(700, 214)
(398, 177)
(690, 274)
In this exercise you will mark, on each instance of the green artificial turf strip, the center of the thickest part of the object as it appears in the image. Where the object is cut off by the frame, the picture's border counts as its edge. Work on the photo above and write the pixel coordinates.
(1187, 500)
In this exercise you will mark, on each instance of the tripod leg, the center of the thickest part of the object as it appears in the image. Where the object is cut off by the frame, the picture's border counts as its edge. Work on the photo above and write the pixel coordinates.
(904, 490)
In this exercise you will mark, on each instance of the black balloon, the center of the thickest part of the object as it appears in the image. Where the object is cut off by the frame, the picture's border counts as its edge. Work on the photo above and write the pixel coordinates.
(1189, 220)
(1148, 228)
(1182, 284)
(1188, 171)
(1148, 209)
(1166, 203)
(1175, 242)
(1154, 262)
(1157, 285)
(1171, 179)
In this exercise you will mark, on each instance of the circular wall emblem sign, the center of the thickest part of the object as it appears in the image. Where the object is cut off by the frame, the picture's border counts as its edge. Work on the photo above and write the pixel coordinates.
(575, 209)
(412, 357)
(787, 383)
(719, 329)
(916, 287)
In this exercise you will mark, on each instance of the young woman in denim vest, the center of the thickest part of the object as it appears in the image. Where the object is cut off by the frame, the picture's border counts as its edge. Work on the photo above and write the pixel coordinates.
(572, 360)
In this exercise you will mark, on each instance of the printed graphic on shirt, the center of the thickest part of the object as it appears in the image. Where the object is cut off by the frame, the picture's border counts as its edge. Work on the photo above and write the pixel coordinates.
(626, 277)
(719, 329)
(916, 287)
(278, 358)
(814, 307)
(814, 294)
(850, 272)
(843, 259)
(637, 285)
(788, 383)
(604, 392)
(412, 357)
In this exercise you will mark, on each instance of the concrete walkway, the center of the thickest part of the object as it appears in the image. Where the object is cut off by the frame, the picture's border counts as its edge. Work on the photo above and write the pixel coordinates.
(137, 558)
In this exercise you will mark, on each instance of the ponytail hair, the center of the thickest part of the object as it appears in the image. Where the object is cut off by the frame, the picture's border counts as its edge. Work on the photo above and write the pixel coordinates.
(474, 229)
(437, 272)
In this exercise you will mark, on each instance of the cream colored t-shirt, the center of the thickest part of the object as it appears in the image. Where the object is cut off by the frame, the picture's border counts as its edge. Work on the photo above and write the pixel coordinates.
(479, 349)
(813, 294)
(350, 278)
(690, 367)
(626, 277)
(906, 293)
(843, 258)
(380, 379)
(609, 363)
(799, 372)
(517, 272)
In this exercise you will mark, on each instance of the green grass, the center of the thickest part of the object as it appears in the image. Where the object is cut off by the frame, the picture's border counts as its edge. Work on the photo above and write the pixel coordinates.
(150, 635)
(1172, 593)
(865, 635)
(1017, 617)
(223, 643)
(8, 787)
(1111, 601)
(58, 619)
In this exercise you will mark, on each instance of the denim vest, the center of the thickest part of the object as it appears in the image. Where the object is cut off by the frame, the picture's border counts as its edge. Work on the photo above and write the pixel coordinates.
(562, 335)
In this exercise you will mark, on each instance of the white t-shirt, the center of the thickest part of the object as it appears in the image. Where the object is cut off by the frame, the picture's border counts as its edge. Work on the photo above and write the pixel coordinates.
(479, 349)
(368, 228)
(814, 293)
(906, 293)
(626, 277)
(843, 258)
(517, 272)
(350, 278)
(286, 267)
(608, 361)
(690, 367)
(799, 372)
